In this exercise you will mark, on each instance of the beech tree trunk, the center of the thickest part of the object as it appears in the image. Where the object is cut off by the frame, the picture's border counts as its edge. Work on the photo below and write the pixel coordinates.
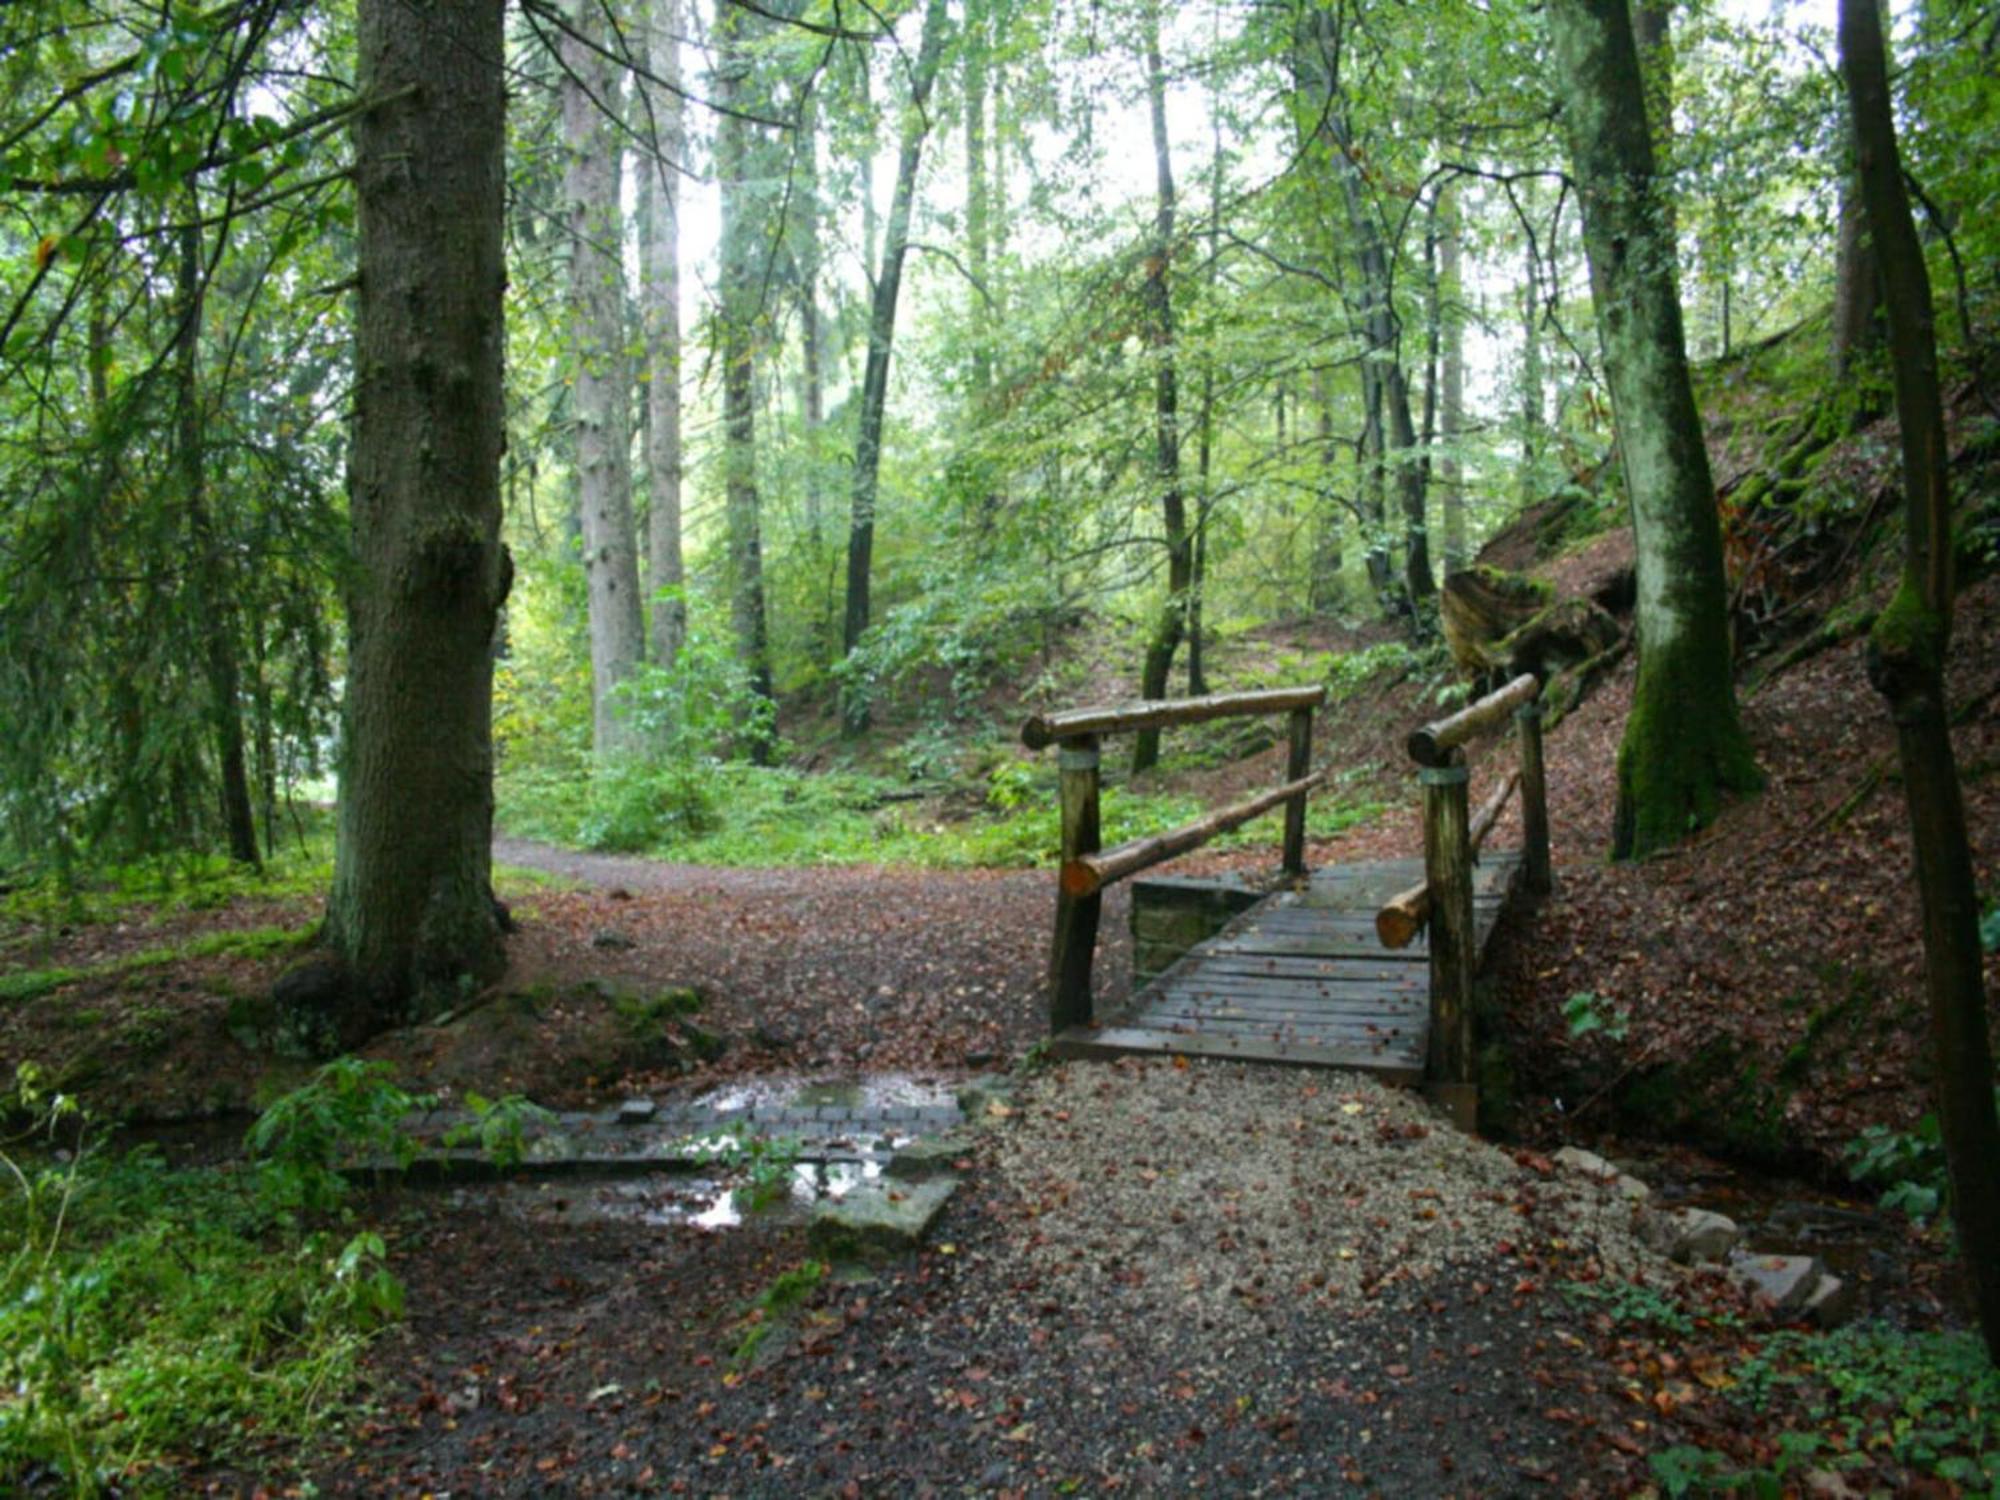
(1451, 379)
(411, 914)
(660, 312)
(1158, 665)
(741, 302)
(600, 379)
(1684, 746)
(1906, 658)
(1323, 589)
(881, 341)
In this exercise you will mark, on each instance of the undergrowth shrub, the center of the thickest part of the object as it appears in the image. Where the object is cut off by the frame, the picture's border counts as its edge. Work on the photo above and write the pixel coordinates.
(149, 1314)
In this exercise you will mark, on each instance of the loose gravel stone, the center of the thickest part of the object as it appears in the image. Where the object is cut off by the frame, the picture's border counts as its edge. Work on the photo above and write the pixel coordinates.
(1202, 1194)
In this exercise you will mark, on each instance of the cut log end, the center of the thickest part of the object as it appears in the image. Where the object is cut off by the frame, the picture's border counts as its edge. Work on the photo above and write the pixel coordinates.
(1080, 878)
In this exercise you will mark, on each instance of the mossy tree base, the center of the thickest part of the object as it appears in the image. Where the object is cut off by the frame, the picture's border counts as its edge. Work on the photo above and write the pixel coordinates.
(1684, 754)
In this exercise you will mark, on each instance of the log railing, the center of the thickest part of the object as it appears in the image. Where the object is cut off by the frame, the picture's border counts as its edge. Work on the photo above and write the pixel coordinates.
(1452, 841)
(1087, 867)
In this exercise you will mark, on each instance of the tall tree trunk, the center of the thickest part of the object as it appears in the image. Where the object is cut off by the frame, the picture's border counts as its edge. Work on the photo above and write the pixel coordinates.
(1204, 506)
(1369, 461)
(1859, 327)
(1383, 367)
(1451, 402)
(1167, 629)
(660, 304)
(213, 592)
(1906, 657)
(978, 195)
(1323, 589)
(601, 385)
(1533, 407)
(881, 340)
(1684, 746)
(411, 912)
(741, 303)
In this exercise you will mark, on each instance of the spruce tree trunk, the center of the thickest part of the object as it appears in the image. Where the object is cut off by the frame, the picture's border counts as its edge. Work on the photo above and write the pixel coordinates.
(1906, 656)
(742, 228)
(660, 301)
(881, 341)
(1167, 630)
(212, 592)
(412, 915)
(600, 378)
(1684, 747)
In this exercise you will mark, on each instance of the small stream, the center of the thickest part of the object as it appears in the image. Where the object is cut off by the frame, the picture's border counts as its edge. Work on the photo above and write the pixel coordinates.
(1782, 1215)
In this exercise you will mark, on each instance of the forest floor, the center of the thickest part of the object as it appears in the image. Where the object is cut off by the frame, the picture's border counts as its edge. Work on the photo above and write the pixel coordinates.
(1766, 978)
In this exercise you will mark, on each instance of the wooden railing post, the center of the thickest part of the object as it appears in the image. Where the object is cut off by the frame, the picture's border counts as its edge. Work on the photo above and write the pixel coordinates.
(1076, 915)
(1534, 802)
(1297, 764)
(1448, 867)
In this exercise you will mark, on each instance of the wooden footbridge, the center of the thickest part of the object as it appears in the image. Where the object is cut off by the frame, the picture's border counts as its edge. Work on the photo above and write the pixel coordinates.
(1366, 966)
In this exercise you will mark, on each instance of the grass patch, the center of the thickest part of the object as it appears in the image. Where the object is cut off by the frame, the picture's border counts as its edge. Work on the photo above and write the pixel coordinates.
(775, 817)
(253, 942)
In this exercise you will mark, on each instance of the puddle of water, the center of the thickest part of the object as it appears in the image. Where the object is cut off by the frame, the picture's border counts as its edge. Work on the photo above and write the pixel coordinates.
(665, 1202)
(873, 1091)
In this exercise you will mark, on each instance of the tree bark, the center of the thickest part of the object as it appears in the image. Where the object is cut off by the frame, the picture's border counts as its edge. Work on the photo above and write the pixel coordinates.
(1451, 399)
(411, 915)
(213, 591)
(1684, 746)
(1172, 622)
(1859, 327)
(741, 301)
(1906, 660)
(1323, 591)
(600, 381)
(881, 341)
(660, 282)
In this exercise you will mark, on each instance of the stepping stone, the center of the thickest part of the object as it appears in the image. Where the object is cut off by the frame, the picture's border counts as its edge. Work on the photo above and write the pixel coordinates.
(637, 1111)
(878, 1220)
(1788, 1280)
(1692, 1236)
(931, 1157)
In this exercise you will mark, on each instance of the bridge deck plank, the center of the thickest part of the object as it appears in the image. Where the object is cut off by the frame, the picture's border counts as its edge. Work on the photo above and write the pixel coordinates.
(1301, 979)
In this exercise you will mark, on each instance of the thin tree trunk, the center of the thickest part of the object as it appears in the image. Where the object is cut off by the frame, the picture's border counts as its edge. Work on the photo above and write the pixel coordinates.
(978, 196)
(1172, 622)
(1451, 403)
(1323, 591)
(213, 590)
(1906, 661)
(601, 383)
(740, 305)
(1533, 406)
(660, 294)
(1684, 746)
(1197, 667)
(881, 341)
(412, 915)
(1859, 327)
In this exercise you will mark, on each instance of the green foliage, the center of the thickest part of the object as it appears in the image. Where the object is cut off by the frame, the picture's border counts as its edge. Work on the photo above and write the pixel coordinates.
(1989, 930)
(762, 1167)
(1628, 1302)
(774, 1303)
(1908, 1165)
(148, 1314)
(349, 1110)
(1928, 1403)
(1586, 1011)
(499, 1127)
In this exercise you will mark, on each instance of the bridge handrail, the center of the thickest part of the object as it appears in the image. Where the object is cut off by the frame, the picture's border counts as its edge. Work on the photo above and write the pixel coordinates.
(1043, 730)
(1451, 844)
(1087, 868)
